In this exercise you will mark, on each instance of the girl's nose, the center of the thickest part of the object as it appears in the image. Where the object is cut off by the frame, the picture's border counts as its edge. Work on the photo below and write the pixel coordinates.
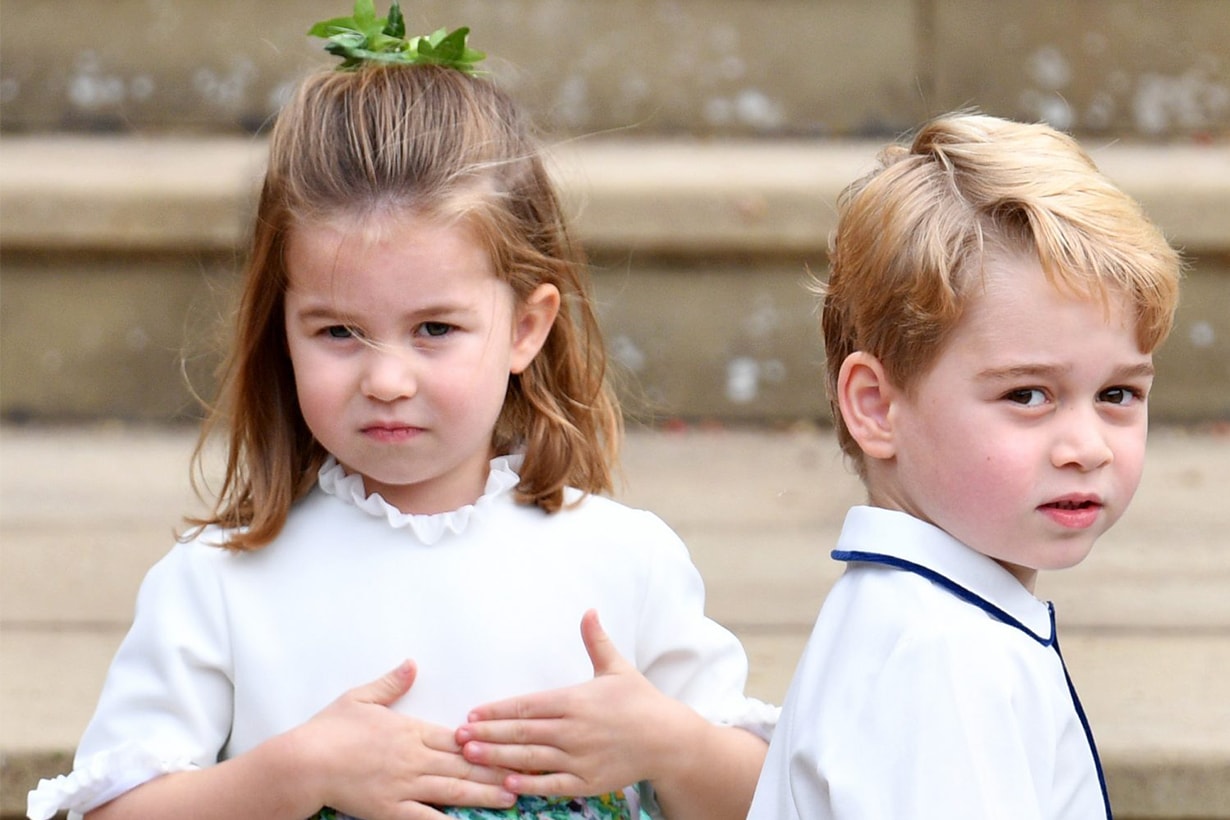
(1082, 441)
(388, 374)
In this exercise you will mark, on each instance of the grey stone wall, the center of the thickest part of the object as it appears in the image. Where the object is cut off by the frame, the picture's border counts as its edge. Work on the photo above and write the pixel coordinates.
(1128, 68)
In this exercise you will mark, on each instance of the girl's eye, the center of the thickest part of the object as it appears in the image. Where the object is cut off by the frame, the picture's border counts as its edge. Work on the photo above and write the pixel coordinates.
(339, 332)
(436, 329)
(1121, 396)
(1027, 397)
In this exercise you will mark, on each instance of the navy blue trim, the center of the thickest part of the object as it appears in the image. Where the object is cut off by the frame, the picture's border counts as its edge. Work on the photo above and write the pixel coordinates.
(1080, 713)
(948, 584)
(1002, 616)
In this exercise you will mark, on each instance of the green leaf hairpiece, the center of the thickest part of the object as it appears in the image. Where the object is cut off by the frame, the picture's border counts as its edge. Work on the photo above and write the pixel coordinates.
(366, 38)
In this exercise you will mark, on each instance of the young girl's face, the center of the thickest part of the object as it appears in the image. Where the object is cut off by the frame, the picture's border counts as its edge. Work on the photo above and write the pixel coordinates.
(1026, 440)
(402, 339)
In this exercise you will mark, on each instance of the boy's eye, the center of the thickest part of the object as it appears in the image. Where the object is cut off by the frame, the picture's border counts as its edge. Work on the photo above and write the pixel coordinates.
(1026, 396)
(1120, 395)
(436, 329)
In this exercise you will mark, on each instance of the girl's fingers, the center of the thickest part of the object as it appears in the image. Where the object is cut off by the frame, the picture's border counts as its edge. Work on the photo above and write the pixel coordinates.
(482, 773)
(388, 688)
(545, 732)
(454, 766)
(554, 783)
(603, 655)
(440, 739)
(535, 706)
(419, 811)
(447, 791)
(517, 758)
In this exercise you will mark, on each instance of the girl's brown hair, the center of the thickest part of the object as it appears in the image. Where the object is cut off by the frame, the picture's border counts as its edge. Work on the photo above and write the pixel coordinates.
(438, 143)
(913, 235)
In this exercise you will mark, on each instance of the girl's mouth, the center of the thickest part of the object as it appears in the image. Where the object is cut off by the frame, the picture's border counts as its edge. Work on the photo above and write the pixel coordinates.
(391, 433)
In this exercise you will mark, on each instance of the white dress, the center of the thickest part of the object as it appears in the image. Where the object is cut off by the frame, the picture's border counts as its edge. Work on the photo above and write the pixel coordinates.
(931, 687)
(229, 648)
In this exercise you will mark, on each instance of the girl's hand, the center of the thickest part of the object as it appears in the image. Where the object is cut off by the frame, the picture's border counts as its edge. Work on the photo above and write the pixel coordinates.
(589, 739)
(366, 760)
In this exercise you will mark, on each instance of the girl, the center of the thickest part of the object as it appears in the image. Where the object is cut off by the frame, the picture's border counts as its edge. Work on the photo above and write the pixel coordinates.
(417, 423)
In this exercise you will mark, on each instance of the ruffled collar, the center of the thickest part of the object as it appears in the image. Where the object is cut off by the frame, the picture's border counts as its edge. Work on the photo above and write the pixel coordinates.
(429, 529)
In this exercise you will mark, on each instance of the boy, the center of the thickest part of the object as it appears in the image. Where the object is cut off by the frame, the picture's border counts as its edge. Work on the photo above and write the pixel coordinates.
(989, 321)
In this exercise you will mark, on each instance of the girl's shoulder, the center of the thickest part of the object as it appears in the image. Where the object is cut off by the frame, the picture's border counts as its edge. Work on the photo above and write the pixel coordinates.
(202, 572)
(201, 551)
(581, 509)
(203, 557)
(186, 582)
(604, 526)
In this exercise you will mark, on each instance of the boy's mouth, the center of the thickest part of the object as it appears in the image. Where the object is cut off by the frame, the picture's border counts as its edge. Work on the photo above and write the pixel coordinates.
(1072, 505)
(1073, 512)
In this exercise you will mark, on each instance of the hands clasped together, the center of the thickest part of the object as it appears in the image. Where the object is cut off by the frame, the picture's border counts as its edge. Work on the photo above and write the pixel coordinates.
(593, 738)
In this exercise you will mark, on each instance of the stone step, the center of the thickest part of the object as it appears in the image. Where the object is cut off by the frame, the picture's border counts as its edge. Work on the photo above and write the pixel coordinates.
(795, 490)
(671, 197)
(1145, 620)
(119, 253)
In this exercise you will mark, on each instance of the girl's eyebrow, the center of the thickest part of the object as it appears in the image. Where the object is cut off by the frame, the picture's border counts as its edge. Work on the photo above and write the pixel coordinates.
(323, 314)
(317, 312)
(326, 311)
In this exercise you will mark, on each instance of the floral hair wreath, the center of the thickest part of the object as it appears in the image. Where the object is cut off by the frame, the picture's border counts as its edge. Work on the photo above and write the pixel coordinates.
(366, 38)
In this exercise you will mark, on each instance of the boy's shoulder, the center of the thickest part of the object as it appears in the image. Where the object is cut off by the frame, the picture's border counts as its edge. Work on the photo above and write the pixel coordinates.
(915, 607)
(909, 566)
(883, 628)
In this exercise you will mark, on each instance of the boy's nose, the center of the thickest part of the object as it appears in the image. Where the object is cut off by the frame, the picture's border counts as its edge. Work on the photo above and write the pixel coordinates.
(388, 375)
(1082, 440)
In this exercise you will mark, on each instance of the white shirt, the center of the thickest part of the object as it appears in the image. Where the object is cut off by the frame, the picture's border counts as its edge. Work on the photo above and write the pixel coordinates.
(230, 648)
(931, 687)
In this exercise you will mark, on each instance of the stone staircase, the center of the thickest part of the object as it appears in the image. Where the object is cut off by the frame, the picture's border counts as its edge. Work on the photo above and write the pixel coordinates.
(701, 146)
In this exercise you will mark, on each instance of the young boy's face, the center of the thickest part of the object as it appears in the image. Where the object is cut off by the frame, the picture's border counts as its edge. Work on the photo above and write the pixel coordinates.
(1027, 438)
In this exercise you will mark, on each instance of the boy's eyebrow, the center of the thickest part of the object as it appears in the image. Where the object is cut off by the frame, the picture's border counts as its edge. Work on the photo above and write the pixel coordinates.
(1135, 370)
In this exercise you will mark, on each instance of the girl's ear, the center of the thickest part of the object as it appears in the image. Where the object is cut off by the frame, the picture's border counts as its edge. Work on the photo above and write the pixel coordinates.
(533, 321)
(865, 397)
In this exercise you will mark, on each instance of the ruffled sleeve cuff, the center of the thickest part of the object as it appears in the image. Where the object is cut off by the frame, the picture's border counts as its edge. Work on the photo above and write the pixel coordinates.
(100, 778)
(755, 716)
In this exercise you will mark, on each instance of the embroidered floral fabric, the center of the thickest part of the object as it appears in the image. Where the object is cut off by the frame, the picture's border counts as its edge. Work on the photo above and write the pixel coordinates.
(613, 806)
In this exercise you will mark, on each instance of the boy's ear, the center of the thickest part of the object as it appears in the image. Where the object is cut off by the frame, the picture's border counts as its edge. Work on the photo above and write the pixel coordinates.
(865, 396)
(532, 322)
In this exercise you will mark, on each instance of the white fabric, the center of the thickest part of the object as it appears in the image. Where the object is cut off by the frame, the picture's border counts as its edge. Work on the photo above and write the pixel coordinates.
(228, 649)
(910, 702)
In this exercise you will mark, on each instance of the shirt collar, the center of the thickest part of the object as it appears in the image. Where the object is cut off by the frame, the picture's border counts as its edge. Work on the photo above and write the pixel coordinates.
(877, 535)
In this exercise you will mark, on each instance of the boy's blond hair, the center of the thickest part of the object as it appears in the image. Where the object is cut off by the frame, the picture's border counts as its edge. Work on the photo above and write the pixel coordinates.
(913, 235)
